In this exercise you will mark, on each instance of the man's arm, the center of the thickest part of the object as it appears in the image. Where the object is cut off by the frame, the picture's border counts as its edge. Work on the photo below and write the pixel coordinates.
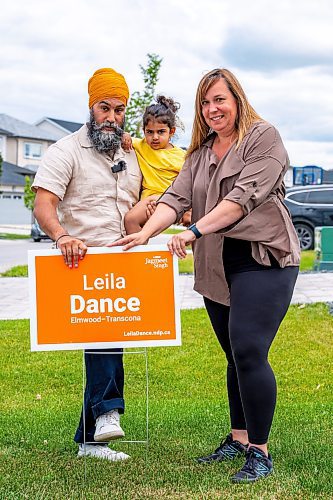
(45, 211)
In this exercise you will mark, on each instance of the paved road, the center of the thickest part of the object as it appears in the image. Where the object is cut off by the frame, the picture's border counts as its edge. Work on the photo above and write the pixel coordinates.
(15, 252)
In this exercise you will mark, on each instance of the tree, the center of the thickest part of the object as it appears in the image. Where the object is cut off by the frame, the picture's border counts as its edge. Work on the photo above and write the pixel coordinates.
(29, 196)
(140, 100)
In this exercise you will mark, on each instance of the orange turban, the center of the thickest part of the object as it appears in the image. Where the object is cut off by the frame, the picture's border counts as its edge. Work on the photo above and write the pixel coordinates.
(106, 82)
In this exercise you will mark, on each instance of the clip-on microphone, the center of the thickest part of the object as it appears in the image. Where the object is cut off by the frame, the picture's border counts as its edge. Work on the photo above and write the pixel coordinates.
(119, 167)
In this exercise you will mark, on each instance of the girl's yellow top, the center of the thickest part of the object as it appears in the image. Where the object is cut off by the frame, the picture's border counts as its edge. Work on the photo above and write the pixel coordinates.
(159, 167)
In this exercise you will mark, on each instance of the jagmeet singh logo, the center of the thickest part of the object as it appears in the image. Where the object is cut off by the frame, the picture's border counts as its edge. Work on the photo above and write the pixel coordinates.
(157, 261)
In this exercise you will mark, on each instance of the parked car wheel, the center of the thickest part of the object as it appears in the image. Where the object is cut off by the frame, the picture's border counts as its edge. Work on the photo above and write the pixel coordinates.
(310, 206)
(305, 235)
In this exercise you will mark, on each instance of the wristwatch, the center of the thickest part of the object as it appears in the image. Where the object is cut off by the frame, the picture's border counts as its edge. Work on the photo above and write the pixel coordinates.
(195, 230)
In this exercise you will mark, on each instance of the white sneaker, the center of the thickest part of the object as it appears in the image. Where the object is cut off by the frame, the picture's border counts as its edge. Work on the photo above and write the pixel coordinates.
(108, 427)
(100, 451)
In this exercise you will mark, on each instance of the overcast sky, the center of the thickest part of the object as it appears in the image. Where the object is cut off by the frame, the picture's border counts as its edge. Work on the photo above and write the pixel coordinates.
(281, 51)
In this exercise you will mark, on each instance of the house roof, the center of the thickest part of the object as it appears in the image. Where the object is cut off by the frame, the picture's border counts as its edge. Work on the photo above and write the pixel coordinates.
(14, 175)
(18, 128)
(68, 126)
(5, 132)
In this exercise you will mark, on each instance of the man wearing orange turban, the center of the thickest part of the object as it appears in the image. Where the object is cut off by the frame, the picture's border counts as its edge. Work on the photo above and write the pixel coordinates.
(107, 82)
(108, 96)
(85, 186)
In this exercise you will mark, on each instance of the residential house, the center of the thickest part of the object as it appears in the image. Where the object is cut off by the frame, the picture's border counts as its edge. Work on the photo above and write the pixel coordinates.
(308, 174)
(58, 128)
(12, 182)
(23, 144)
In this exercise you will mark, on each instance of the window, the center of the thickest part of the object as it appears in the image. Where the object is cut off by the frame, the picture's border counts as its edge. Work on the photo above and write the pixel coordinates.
(32, 150)
(299, 197)
(321, 197)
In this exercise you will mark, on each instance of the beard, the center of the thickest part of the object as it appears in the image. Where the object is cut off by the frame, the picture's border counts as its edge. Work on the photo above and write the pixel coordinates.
(104, 142)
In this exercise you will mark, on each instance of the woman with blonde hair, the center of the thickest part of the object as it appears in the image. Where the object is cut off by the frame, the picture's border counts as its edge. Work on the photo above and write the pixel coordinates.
(246, 253)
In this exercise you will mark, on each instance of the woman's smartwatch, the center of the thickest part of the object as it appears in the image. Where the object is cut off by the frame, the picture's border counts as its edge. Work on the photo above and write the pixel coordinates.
(195, 230)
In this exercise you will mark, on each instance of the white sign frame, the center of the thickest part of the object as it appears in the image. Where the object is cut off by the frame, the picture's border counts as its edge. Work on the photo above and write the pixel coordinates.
(35, 346)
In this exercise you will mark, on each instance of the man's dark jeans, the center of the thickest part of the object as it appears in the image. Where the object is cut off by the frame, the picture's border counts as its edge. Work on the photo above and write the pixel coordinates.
(104, 389)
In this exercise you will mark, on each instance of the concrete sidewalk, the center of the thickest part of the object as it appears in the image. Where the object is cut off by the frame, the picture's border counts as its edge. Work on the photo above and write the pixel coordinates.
(15, 229)
(310, 287)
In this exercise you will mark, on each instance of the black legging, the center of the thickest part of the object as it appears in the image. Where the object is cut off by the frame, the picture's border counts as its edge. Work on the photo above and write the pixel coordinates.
(259, 301)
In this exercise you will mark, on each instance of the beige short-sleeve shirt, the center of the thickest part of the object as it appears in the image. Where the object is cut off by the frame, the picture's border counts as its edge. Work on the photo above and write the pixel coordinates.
(93, 199)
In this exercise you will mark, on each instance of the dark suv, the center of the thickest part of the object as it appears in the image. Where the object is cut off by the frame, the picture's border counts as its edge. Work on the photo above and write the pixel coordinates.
(37, 233)
(310, 206)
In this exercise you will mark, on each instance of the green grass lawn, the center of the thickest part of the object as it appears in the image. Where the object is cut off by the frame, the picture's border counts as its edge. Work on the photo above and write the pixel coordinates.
(41, 394)
(307, 260)
(172, 230)
(9, 236)
(16, 272)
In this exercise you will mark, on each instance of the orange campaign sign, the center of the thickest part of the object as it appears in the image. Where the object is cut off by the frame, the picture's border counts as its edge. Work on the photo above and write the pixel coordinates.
(113, 299)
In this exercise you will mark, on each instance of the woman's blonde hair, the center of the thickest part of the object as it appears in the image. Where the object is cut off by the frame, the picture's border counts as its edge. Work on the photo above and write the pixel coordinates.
(246, 115)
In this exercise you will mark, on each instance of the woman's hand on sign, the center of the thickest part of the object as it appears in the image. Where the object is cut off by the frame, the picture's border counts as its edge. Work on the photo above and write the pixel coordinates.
(131, 240)
(178, 242)
(72, 249)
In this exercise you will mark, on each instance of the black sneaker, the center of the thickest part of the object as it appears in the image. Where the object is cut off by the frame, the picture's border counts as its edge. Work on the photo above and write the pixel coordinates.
(257, 465)
(228, 450)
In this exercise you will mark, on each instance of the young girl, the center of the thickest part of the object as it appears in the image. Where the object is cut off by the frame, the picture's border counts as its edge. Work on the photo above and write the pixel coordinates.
(160, 162)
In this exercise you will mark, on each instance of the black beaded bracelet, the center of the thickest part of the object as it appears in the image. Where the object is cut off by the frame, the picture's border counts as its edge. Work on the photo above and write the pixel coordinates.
(61, 236)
